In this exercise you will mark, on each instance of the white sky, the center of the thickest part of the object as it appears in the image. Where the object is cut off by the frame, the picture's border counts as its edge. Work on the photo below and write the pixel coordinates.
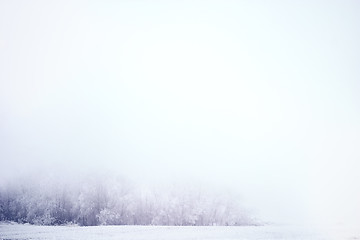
(259, 96)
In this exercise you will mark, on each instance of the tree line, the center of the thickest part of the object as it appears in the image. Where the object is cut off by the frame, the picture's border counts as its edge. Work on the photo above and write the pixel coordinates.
(115, 201)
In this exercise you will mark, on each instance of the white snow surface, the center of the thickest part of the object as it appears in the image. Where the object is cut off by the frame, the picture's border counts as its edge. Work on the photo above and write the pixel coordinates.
(25, 231)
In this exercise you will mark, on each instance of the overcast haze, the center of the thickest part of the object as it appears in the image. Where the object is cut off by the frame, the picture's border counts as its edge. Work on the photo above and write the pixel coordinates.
(258, 97)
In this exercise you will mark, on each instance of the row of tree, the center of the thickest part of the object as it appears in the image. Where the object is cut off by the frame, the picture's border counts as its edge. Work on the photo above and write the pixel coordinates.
(114, 201)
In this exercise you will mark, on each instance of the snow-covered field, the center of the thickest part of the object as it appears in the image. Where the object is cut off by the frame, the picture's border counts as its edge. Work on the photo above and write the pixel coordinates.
(21, 232)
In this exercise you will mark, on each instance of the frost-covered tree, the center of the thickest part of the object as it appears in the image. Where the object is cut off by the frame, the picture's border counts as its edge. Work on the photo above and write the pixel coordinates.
(92, 200)
(114, 201)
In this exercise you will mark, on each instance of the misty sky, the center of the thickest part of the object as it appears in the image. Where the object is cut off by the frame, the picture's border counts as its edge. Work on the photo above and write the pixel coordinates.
(257, 96)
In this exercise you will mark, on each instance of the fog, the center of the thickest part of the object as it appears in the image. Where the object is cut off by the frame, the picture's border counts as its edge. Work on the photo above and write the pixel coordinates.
(255, 97)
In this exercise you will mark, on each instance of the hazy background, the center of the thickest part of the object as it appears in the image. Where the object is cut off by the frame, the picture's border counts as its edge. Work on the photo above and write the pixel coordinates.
(261, 98)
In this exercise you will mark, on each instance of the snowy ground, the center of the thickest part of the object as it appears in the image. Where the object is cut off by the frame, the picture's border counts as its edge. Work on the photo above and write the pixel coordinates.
(21, 232)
